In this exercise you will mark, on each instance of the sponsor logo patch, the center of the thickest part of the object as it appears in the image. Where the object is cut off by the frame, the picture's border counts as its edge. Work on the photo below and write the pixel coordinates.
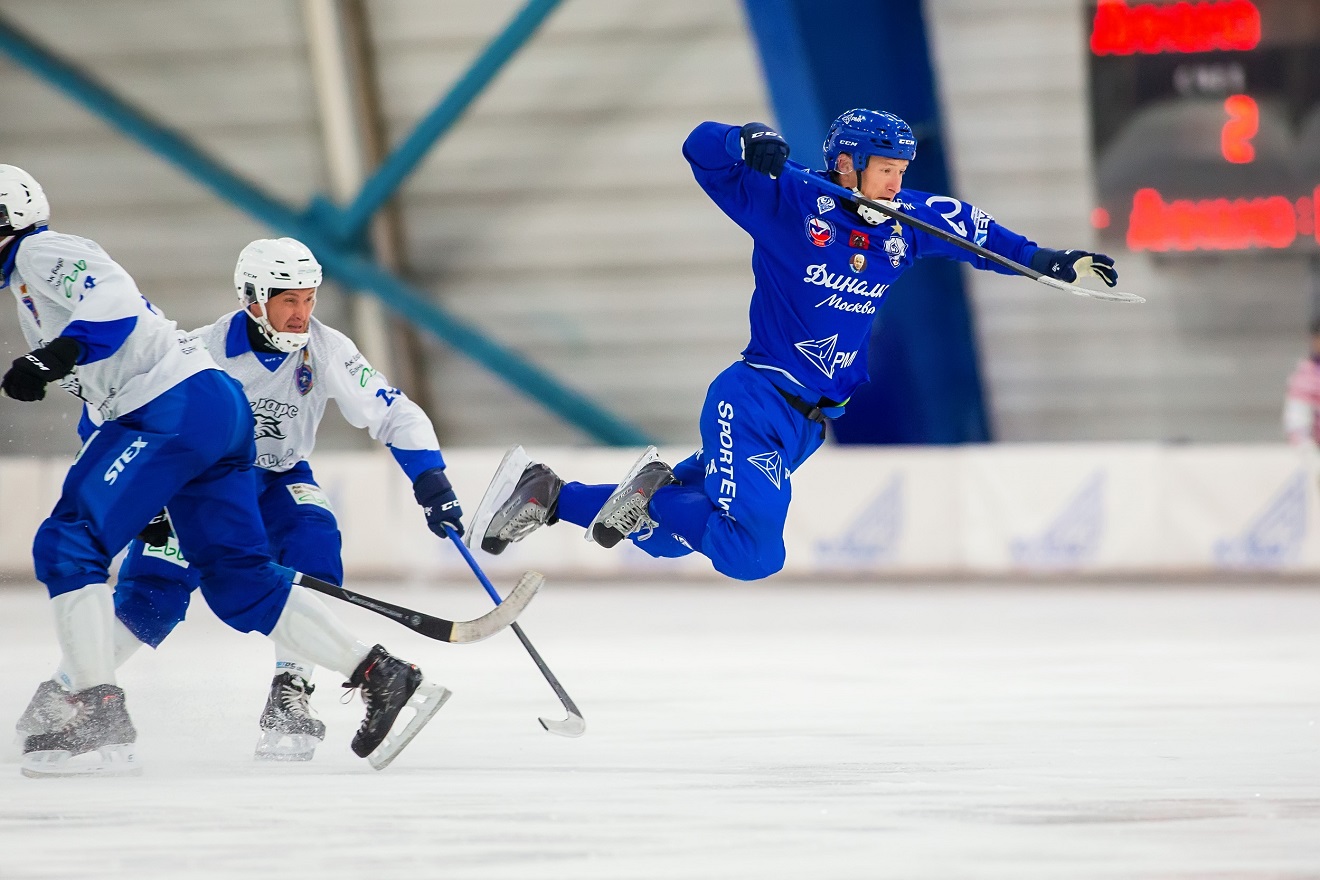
(821, 354)
(117, 466)
(820, 231)
(308, 493)
(169, 553)
(771, 465)
(728, 487)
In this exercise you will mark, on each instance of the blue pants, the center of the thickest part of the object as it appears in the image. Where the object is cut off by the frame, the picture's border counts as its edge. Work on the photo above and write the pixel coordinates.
(156, 584)
(732, 496)
(190, 448)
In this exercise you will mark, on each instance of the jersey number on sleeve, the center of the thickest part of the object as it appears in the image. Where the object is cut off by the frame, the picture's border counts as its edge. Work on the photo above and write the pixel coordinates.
(954, 210)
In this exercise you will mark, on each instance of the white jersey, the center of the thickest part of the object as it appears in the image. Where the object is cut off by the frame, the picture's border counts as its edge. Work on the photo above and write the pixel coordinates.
(289, 401)
(67, 285)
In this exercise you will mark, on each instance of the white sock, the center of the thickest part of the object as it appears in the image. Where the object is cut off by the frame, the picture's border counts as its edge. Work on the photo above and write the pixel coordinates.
(307, 629)
(123, 643)
(289, 661)
(83, 621)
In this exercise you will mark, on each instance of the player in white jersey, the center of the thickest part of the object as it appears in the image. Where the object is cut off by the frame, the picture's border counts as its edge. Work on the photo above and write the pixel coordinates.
(174, 429)
(290, 365)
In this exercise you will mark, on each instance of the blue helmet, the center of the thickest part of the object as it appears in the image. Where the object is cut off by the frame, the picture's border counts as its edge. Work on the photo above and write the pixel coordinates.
(867, 133)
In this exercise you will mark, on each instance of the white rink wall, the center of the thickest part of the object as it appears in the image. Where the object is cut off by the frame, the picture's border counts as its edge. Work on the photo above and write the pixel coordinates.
(949, 511)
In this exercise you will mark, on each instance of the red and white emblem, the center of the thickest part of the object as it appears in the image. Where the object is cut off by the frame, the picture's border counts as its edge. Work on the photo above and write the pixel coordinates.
(821, 232)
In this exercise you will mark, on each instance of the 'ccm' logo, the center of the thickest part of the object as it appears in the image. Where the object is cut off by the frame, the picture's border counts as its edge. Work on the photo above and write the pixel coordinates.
(124, 458)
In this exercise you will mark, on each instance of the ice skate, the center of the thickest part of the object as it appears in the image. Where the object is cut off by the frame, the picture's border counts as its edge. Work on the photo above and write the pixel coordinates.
(97, 741)
(628, 509)
(289, 731)
(522, 496)
(388, 686)
(48, 710)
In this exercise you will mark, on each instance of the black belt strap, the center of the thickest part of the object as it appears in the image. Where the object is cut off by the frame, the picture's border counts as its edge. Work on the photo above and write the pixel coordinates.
(811, 410)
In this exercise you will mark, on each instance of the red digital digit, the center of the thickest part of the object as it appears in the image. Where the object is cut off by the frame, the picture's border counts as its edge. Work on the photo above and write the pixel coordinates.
(1242, 125)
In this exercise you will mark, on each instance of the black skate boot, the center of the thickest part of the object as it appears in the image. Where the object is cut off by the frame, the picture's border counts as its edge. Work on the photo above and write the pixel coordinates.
(289, 731)
(48, 710)
(388, 685)
(628, 510)
(97, 741)
(522, 496)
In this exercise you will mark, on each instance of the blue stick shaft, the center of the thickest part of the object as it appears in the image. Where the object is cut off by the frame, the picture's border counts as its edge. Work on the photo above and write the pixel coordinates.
(472, 563)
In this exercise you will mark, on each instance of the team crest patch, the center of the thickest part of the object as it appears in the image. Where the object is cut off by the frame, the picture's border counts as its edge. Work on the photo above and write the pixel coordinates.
(824, 205)
(857, 262)
(896, 247)
(303, 378)
(308, 493)
(821, 232)
(859, 239)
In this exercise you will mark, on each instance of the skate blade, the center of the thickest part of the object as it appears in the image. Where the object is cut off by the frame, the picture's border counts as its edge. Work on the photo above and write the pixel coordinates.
(651, 454)
(116, 760)
(506, 477)
(274, 746)
(425, 702)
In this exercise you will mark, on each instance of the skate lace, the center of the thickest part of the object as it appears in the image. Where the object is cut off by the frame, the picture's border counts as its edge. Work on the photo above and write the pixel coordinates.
(368, 699)
(524, 522)
(633, 516)
(294, 696)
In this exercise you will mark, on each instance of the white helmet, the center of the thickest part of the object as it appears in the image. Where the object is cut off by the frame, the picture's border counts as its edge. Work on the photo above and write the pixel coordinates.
(22, 201)
(272, 265)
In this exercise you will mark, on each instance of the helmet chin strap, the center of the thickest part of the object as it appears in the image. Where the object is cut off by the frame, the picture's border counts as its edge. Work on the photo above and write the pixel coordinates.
(285, 342)
(870, 215)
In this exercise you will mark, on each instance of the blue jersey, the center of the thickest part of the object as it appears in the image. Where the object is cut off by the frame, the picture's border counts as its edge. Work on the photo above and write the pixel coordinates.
(821, 270)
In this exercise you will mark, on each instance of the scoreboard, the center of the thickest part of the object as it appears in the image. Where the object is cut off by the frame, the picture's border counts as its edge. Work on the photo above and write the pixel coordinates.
(1205, 124)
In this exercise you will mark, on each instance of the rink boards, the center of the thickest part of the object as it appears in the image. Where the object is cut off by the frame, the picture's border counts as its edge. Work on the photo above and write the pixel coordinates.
(970, 510)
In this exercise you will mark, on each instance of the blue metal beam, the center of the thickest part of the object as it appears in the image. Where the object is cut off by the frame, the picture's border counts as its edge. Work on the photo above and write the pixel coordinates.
(350, 269)
(377, 189)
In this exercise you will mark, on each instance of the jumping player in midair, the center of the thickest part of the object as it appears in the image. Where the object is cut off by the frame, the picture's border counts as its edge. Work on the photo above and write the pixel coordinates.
(290, 366)
(173, 429)
(821, 270)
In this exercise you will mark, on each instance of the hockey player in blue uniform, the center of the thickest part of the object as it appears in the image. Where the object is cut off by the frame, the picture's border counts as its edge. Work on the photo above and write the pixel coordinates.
(291, 366)
(173, 428)
(821, 271)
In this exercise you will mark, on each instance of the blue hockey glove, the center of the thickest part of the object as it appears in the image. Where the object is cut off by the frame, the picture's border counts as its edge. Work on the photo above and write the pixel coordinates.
(433, 491)
(764, 150)
(1070, 265)
(28, 376)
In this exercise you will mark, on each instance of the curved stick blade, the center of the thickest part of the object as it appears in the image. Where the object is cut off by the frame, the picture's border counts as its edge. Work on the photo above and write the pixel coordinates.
(1106, 295)
(573, 725)
(502, 614)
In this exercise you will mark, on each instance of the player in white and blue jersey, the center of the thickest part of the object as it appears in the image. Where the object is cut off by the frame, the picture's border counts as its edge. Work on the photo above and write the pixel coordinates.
(821, 269)
(172, 429)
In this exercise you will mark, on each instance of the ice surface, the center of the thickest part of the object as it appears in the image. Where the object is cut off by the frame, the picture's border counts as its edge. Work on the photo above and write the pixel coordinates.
(733, 731)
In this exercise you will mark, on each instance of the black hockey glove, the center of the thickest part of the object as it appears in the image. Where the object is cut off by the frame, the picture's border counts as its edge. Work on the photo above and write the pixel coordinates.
(764, 150)
(433, 491)
(157, 532)
(1070, 265)
(28, 376)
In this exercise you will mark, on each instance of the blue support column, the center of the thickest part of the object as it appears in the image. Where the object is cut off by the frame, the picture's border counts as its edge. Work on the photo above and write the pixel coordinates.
(340, 262)
(821, 58)
(377, 189)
